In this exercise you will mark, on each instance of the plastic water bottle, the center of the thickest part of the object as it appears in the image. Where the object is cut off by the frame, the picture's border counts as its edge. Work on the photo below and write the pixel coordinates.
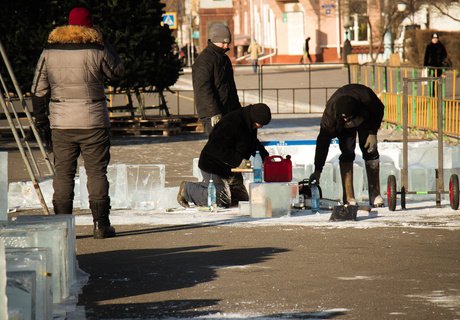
(258, 174)
(212, 201)
(314, 198)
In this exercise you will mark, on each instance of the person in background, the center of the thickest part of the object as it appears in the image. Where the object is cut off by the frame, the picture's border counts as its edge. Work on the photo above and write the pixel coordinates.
(231, 143)
(434, 59)
(347, 48)
(255, 50)
(306, 52)
(214, 85)
(435, 55)
(69, 100)
(353, 110)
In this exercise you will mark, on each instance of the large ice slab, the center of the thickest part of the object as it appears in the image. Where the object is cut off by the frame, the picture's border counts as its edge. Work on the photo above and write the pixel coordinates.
(22, 194)
(3, 300)
(272, 199)
(21, 292)
(130, 186)
(38, 261)
(3, 186)
(66, 221)
(47, 236)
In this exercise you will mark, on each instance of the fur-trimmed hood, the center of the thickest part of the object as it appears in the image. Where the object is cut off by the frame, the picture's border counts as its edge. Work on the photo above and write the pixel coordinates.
(75, 34)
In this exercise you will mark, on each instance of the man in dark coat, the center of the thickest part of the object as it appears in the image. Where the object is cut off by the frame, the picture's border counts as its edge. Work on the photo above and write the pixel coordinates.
(352, 109)
(435, 55)
(232, 141)
(213, 81)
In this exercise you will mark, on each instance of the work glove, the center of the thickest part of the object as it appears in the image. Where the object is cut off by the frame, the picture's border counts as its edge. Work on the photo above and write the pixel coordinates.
(371, 143)
(314, 177)
(44, 131)
(215, 119)
(245, 164)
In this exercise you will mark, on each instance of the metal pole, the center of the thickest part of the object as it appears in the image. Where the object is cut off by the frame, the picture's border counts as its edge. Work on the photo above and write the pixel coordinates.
(260, 76)
(440, 180)
(404, 170)
(26, 110)
(21, 129)
(24, 157)
(309, 85)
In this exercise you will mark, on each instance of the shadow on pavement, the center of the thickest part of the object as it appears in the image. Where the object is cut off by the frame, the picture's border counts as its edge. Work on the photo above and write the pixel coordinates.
(122, 274)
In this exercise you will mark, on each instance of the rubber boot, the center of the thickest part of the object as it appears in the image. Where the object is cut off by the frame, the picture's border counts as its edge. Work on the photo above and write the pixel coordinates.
(101, 210)
(346, 173)
(373, 179)
(63, 206)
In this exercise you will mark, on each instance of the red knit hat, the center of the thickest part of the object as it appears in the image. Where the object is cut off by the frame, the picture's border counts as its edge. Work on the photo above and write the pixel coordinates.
(81, 17)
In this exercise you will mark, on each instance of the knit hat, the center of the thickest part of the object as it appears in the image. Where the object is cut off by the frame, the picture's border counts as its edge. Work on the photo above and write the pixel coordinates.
(260, 113)
(220, 33)
(81, 17)
(435, 35)
(346, 106)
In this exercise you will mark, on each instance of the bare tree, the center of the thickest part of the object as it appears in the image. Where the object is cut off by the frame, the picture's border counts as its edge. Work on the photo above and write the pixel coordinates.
(443, 7)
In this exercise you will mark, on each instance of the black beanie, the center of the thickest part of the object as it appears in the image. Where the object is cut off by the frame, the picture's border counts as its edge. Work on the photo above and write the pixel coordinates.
(260, 113)
(346, 105)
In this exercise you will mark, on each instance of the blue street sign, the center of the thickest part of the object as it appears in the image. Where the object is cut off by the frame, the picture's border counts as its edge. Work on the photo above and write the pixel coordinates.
(170, 18)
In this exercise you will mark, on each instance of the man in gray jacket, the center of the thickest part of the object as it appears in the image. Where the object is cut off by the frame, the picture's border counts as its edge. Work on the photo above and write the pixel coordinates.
(213, 82)
(68, 98)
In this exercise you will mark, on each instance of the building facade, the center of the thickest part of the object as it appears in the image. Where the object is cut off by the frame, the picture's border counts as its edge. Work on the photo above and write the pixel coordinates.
(281, 26)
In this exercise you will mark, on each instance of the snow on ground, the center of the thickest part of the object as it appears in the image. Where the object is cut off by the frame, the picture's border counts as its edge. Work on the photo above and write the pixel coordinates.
(417, 215)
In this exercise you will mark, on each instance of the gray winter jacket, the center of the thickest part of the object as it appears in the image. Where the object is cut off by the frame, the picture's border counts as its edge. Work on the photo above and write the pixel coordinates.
(71, 71)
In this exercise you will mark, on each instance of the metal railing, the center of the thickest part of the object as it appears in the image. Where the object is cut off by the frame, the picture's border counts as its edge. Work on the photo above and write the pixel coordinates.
(387, 82)
(271, 85)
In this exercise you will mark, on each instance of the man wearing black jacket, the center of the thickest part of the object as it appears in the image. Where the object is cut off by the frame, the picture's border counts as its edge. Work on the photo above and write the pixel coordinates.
(435, 55)
(232, 141)
(213, 81)
(353, 109)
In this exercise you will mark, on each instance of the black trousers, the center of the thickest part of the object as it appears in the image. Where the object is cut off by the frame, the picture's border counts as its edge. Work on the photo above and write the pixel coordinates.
(94, 146)
(347, 144)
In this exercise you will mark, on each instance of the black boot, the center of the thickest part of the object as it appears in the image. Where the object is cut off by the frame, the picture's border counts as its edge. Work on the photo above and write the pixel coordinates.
(63, 206)
(373, 171)
(101, 210)
(346, 172)
(343, 213)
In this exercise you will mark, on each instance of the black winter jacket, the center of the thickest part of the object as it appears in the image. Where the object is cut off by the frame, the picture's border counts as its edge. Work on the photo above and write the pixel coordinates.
(435, 54)
(370, 108)
(213, 83)
(232, 140)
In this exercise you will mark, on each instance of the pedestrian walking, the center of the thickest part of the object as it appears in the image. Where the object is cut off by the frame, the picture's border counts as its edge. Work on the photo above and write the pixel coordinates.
(306, 52)
(347, 48)
(69, 100)
(353, 110)
(255, 50)
(213, 81)
(231, 143)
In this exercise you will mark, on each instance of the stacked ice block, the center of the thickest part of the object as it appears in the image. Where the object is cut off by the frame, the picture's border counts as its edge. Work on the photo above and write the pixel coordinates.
(272, 199)
(67, 222)
(3, 300)
(47, 236)
(3, 186)
(131, 186)
(41, 264)
(29, 282)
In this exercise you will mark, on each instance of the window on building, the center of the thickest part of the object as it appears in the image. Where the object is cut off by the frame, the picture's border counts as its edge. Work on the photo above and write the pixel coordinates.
(359, 29)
